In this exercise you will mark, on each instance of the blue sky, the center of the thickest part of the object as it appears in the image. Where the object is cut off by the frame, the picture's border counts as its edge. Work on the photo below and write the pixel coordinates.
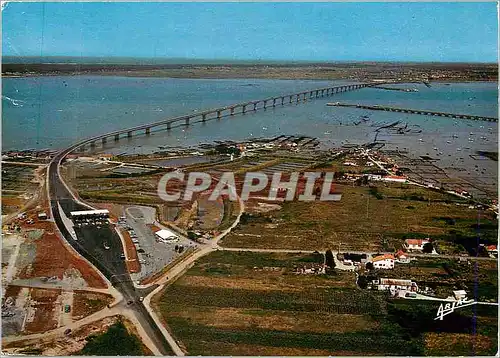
(255, 31)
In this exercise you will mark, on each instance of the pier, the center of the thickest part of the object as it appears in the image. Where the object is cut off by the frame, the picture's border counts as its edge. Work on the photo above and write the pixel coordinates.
(396, 89)
(231, 110)
(415, 111)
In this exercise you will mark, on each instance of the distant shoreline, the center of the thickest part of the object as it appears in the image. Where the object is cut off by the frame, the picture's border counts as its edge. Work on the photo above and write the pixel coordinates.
(346, 71)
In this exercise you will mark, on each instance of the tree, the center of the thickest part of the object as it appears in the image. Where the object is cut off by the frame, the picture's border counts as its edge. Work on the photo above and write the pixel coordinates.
(369, 266)
(427, 248)
(191, 235)
(329, 261)
(363, 282)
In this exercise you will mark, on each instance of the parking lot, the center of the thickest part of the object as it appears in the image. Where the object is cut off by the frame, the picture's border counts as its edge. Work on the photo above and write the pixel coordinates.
(153, 255)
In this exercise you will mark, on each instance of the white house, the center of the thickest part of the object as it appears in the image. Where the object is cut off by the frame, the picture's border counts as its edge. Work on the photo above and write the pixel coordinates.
(416, 244)
(165, 235)
(394, 178)
(460, 295)
(392, 284)
(374, 177)
(492, 249)
(383, 262)
(402, 257)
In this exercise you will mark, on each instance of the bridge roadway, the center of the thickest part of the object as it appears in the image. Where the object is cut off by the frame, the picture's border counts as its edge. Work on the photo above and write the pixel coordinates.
(238, 108)
(415, 111)
(90, 240)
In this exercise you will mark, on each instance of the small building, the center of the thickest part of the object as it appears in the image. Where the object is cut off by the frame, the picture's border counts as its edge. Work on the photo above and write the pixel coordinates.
(42, 216)
(352, 176)
(383, 262)
(492, 249)
(374, 177)
(106, 156)
(460, 295)
(402, 257)
(316, 269)
(416, 244)
(463, 260)
(165, 235)
(90, 214)
(393, 285)
(354, 258)
(395, 179)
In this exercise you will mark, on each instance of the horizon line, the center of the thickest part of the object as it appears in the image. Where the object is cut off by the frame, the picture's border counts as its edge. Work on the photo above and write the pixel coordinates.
(185, 60)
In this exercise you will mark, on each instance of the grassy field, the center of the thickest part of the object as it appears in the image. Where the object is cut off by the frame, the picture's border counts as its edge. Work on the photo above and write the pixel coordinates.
(445, 275)
(244, 303)
(365, 221)
(239, 303)
(86, 303)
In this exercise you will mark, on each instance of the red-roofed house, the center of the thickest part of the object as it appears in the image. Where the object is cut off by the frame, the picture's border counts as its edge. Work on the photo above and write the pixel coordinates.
(402, 257)
(383, 262)
(416, 244)
(106, 156)
(492, 249)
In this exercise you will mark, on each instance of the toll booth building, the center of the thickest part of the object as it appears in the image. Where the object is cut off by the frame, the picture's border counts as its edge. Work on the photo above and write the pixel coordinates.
(89, 214)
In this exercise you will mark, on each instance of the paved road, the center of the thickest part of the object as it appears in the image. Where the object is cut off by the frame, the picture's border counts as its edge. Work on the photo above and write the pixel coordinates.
(119, 309)
(294, 251)
(182, 267)
(90, 246)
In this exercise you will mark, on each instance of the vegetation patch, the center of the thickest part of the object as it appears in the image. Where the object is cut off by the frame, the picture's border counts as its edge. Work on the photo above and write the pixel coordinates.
(115, 341)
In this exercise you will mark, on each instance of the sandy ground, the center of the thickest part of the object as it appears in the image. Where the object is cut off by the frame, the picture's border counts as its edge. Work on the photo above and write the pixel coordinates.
(66, 345)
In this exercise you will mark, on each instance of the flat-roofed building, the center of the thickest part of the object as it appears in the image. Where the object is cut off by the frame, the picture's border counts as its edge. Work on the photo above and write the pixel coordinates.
(392, 284)
(165, 235)
(90, 214)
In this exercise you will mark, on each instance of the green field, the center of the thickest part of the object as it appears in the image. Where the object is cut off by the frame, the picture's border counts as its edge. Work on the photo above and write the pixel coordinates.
(365, 221)
(115, 341)
(245, 303)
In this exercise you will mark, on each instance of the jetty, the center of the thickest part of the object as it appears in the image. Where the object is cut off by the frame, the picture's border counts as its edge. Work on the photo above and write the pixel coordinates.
(415, 111)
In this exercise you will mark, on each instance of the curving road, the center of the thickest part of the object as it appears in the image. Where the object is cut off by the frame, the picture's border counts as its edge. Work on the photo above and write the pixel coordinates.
(89, 241)
(89, 245)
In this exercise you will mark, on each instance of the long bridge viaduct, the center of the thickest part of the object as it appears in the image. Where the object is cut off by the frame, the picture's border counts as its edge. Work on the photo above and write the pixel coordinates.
(231, 110)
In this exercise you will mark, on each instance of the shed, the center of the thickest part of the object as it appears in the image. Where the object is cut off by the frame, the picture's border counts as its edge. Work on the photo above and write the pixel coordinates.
(460, 294)
(166, 235)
